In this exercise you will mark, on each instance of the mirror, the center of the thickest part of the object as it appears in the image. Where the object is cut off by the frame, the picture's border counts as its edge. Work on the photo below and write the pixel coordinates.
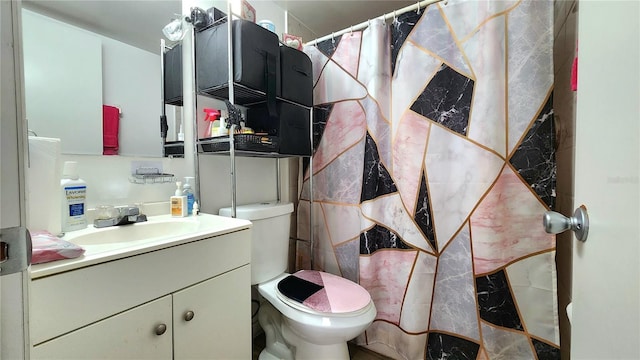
(77, 59)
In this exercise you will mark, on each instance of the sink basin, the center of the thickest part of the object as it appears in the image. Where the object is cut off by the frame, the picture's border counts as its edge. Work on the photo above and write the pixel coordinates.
(147, 231)
(158, 233)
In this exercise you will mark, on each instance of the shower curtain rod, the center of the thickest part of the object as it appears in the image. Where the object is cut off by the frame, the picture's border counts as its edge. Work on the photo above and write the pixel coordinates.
(364, 24)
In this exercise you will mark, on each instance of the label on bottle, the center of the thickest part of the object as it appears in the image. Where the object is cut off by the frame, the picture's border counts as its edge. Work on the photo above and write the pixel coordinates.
(190, 200)
(177, 207)
(75, 196)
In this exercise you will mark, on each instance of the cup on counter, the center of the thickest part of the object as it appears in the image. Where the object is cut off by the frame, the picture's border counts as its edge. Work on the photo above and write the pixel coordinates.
(104, 212)
(141, 208)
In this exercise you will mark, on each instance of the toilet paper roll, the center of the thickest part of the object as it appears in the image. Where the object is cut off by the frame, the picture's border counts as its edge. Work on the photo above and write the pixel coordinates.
(43, 184)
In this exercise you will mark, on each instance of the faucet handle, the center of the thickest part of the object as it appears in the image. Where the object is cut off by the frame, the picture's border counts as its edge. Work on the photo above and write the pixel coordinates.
(128, 211)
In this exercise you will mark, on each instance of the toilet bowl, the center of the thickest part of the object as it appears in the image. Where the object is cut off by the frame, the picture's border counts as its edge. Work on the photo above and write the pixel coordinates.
(313, 334)
(306, 315)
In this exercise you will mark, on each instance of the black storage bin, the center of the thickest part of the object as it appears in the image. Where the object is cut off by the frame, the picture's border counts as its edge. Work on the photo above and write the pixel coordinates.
(173, 76)
(296, 76)
(174, 149)
(253, 47)
(290, 127)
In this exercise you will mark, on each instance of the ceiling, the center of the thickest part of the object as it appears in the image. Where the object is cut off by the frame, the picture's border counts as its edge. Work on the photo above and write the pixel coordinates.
(326, 16)
(140, 22)
(134, 22)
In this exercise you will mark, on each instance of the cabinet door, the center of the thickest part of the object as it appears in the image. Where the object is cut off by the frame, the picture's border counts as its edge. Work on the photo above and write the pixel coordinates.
(220, 327)
(128, 335)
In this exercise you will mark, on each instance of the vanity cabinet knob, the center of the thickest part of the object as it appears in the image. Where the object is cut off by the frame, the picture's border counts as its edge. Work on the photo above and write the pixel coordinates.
(188, 315)
(161, 329)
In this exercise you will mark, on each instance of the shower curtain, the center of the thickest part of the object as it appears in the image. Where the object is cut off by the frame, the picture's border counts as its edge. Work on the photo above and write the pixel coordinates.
(434, 163)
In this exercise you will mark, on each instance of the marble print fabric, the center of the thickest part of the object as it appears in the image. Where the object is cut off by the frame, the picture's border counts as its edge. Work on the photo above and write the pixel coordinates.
(457, 181)
(438, 103)
(454, 301)
(408, 142)
(486, 53)
(434, 162)
(345, 127)
(414, 72)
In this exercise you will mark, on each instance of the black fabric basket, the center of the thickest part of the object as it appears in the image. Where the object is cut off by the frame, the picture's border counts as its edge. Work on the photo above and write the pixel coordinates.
(174, 149)
(291, 126)
(243, 142)
(173, 76)
(296, 76)
(256, 58)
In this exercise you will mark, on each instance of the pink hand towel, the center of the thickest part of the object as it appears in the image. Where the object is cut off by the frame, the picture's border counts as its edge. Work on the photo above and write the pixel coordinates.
(110, 125)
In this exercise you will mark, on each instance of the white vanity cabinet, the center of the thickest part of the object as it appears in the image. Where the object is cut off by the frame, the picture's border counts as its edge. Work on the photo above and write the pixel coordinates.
(189, 301)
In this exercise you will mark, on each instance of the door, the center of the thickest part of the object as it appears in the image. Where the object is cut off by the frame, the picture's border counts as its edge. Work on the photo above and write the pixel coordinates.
(143, 332)
(14, 286)
(212, 320)
(606, 274)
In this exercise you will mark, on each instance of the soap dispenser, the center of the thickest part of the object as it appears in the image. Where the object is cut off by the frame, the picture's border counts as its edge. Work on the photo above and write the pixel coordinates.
(178, 202)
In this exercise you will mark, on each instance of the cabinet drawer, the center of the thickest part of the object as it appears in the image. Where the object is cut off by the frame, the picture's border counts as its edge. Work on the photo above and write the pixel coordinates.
(64, 302)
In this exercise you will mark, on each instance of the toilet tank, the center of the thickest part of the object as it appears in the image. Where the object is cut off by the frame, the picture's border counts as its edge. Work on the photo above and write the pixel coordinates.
(270, 237)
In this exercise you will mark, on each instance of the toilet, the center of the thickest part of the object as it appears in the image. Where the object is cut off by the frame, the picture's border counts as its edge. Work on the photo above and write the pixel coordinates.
(306, 315)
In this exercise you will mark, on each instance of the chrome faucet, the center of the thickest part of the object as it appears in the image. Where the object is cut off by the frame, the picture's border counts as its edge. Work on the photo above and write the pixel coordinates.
(125, 215)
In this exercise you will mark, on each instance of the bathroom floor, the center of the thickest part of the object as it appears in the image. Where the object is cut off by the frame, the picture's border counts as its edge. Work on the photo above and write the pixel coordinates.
(355, 352)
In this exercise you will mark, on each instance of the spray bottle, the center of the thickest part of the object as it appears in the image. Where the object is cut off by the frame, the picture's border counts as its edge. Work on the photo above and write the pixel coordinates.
(222, 130)
(213, 122)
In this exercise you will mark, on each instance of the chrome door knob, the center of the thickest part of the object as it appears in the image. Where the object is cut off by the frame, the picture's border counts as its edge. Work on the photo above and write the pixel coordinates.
(188, 316)
(160, 329)
(555, 223)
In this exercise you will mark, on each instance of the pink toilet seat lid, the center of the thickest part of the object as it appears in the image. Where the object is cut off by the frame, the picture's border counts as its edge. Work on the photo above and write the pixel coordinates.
(324, 292)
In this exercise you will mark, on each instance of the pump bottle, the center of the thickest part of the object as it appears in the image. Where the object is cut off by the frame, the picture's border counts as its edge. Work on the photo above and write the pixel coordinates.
(188, 192)
(73, 196)
(178, 202)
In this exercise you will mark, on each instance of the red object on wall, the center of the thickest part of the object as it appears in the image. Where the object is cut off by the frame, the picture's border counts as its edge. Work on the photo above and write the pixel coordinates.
(110, 126)
(574, 72)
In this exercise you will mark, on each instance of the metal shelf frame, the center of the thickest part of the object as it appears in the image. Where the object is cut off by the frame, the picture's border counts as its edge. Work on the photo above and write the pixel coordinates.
(246, 96)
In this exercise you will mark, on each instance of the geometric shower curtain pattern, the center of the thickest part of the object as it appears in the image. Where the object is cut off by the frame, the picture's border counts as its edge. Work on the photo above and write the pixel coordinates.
(434, 162)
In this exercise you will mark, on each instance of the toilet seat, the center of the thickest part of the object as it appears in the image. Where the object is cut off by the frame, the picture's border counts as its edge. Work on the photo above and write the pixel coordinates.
(321, 293)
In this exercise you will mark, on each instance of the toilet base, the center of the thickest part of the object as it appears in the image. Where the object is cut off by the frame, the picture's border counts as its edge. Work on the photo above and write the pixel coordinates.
(310, 351)
(282, 343)
(271, 322)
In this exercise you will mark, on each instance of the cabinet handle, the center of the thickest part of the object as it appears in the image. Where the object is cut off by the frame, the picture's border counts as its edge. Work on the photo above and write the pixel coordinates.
(161, 329)
(188, 315)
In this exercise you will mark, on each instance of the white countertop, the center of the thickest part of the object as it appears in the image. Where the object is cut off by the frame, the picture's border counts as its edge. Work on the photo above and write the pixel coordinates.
(187, 229)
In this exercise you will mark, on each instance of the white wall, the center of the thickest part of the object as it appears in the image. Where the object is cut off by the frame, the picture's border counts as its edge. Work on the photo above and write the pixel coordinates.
(268, 10)
(108, 182)
(265, 10)
(296, 27)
